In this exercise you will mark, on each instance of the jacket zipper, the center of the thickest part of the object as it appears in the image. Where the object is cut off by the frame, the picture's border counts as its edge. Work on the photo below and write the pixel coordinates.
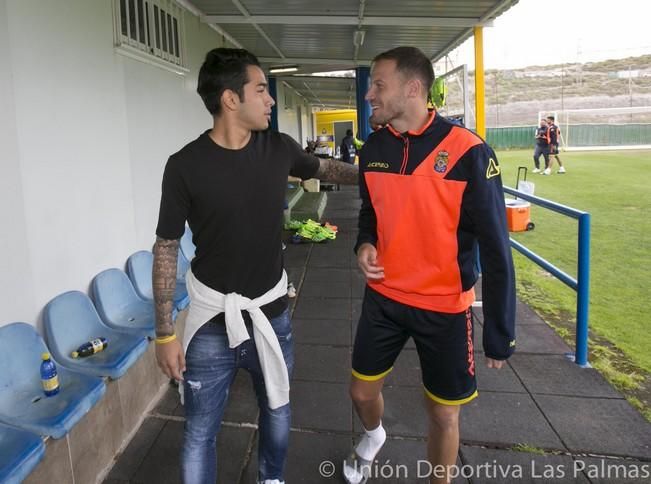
(405, 155)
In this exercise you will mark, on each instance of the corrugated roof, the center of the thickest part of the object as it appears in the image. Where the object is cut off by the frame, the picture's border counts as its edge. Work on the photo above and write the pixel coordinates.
(320, 36)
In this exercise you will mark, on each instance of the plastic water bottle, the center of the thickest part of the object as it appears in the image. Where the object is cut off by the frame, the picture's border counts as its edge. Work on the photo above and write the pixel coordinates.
(49, 376)
(90, 348)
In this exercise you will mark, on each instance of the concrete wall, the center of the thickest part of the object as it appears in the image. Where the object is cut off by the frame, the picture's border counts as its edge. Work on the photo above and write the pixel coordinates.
(16, 280)
(289, 118)
(84, 135)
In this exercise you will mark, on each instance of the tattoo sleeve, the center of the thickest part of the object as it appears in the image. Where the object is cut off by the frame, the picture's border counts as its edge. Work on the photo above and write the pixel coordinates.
(164, 284)
(337, 172)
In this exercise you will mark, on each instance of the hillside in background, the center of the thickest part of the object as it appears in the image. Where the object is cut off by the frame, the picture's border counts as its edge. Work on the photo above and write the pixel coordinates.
(514, 97)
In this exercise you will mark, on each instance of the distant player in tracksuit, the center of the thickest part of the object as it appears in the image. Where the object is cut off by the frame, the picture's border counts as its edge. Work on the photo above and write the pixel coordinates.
(554, 140)
(431, 194)
(542, 148)
(348, 147)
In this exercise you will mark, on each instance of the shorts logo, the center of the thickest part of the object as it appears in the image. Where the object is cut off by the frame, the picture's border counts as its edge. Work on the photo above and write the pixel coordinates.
(441, 163)
(471, 349)
(378, 164)
(493, 169)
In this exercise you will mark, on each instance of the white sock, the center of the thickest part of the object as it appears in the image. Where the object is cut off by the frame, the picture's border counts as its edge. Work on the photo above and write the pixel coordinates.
(371, 443)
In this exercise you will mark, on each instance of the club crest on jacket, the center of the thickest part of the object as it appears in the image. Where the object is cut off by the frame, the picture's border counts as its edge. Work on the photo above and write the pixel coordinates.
(441, 163)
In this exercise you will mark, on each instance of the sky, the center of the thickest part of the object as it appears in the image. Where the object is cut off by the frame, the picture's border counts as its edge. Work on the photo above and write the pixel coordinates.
(542, 32)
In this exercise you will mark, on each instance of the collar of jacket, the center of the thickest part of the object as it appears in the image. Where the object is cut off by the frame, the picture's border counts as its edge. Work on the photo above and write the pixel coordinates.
(423, 130)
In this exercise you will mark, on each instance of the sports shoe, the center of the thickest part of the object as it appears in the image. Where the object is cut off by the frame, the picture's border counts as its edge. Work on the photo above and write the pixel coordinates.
(535, 170)
(561, 170)
(271, 481)
(548, 171)
(356, 469)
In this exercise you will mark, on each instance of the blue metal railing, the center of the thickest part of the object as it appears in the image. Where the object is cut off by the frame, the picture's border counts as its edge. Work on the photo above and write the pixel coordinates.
(582, 282)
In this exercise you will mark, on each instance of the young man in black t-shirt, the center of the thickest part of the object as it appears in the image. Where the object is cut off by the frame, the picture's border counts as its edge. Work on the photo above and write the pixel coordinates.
(554, 142)
(229, 185)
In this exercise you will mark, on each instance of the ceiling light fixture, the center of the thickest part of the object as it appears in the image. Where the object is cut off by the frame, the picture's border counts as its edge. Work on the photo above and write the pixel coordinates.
(358, 38)
(279, 69)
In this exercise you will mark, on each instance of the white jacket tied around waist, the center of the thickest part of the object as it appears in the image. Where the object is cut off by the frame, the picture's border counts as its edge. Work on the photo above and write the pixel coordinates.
(206, 303)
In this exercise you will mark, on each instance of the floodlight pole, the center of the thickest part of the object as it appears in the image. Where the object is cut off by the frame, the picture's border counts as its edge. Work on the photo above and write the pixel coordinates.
(562, 88)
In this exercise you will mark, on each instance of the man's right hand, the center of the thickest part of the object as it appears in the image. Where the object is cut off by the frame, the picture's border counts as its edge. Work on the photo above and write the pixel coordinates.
(171, 359)
(367, 261)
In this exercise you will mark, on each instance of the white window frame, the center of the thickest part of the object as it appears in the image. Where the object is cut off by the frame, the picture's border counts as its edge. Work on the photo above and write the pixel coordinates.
(150, 45)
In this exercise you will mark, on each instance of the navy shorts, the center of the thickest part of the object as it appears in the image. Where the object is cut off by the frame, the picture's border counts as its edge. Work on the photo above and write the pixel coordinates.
(444, 343)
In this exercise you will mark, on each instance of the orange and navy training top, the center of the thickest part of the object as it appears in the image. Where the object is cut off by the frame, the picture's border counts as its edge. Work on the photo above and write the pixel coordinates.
(429, 198)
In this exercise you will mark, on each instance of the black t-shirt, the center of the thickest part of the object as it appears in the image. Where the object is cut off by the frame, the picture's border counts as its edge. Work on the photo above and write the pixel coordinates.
(233, 201)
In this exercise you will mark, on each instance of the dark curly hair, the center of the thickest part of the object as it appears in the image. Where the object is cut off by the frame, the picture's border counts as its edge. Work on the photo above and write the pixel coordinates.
(223, 69)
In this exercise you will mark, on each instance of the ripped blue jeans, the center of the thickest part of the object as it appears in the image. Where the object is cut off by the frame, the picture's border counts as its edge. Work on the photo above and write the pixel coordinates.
(211, 367)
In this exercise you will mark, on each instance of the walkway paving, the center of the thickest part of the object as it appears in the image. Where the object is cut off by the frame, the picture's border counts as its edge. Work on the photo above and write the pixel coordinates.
(587, 430)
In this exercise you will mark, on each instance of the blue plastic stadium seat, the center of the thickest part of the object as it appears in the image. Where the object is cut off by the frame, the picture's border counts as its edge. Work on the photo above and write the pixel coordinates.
(186, 254)
(20, 453)
(139, 269)
(22, 401)
(182, 266)
(187, 246)
(70, 319)
(119, 305)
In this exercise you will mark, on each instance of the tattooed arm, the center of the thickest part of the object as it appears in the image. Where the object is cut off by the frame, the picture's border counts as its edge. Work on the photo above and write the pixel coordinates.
(164, 283)
(337, 172)
(169, 355)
